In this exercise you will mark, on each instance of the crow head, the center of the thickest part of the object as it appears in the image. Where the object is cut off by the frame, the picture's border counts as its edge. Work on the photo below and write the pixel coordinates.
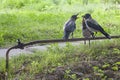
(74, 16)
(86, 16)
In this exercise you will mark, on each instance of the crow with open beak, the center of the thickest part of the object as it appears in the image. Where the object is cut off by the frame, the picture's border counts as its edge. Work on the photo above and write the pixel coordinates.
(70, 26)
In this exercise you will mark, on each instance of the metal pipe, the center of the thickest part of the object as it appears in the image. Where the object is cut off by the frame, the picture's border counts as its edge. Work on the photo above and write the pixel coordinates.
(21, 45)
(68, 40)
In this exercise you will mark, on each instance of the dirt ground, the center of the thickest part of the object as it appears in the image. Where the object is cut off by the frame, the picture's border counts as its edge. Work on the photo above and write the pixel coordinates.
(85, 70)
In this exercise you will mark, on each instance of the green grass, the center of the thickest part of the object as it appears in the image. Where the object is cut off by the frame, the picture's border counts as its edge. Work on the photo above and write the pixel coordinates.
(47, 61)
(38, 20)
(32, 22)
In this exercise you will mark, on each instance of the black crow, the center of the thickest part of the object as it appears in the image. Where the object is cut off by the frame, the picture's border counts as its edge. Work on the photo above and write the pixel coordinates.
(93, 26)
(70, 26)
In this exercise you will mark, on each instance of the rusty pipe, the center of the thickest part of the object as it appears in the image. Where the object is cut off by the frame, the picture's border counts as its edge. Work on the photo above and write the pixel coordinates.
(21, 45)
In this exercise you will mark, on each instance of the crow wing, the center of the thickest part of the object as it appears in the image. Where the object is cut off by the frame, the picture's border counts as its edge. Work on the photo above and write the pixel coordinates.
(94, 25)
(70, 26)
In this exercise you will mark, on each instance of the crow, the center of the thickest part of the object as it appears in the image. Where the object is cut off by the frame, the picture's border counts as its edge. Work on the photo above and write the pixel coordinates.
(70, 26)
(93, 25)
(86, 32)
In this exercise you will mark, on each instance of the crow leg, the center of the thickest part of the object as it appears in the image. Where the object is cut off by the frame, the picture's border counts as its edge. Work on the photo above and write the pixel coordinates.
(93, 36)
(72, 34)
(85, 42)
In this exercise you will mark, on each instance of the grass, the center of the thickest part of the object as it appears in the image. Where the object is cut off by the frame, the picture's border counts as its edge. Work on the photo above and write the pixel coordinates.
(29, 23)
(37, 20)
(46, 61)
